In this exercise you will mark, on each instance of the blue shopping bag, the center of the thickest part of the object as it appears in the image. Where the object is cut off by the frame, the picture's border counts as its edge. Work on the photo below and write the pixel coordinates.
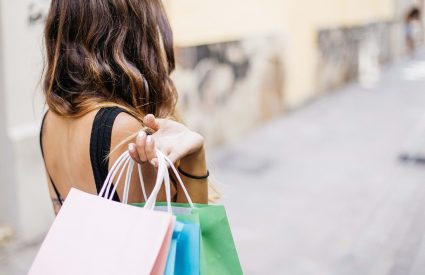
(171, 260)
(184, 253)
(188, 250)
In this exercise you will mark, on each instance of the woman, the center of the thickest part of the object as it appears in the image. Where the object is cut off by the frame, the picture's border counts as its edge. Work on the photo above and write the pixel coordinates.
(411, 26)
(107, 76)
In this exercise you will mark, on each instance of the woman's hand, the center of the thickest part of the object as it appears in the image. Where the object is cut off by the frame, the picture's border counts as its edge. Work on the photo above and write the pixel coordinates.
(181, 145)
(172, 138)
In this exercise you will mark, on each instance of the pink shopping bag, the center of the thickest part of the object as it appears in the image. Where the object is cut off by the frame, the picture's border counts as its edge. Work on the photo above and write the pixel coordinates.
(93, 235)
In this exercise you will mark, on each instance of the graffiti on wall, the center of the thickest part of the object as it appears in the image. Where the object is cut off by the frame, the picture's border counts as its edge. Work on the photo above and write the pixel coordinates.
(354, 53)
(228, 88)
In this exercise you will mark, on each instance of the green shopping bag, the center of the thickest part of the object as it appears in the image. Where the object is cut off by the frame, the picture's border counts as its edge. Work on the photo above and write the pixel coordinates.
(218, 251)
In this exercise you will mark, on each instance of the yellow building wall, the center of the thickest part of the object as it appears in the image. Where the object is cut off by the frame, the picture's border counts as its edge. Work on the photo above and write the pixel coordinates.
(304, 18)
(204, 21)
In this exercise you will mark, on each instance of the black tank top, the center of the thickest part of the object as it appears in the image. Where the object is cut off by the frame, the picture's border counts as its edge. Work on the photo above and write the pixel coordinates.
(100, 145)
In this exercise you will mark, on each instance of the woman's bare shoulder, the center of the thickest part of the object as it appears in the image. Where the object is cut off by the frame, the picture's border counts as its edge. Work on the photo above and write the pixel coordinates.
(126, 125)
(124, 131)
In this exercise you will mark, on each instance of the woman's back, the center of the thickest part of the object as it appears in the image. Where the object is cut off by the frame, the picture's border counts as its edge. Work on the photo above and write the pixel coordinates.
(66, 145)
(76, 151)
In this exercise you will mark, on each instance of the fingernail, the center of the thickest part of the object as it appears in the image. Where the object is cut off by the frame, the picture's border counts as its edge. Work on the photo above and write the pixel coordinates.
(149, 139)
(141, 134)
(131, 147)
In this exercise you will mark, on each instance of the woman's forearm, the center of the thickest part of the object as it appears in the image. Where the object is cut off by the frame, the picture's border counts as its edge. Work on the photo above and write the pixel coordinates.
(194, 164)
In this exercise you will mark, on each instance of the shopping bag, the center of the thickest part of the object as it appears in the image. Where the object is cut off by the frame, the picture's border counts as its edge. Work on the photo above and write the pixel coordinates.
(185, 259)
(95, 235)
(188, 253)
(92, 235)
(188, 250)
(218, 254)
(218, 250)
(171, 260)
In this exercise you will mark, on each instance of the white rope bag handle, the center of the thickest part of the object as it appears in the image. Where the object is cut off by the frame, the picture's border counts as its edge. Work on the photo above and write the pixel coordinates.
(126, 164)
(164, 162)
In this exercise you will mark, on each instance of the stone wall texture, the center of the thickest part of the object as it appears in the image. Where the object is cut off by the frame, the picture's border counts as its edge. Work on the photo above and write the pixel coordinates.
(356, 53)
(228, 88)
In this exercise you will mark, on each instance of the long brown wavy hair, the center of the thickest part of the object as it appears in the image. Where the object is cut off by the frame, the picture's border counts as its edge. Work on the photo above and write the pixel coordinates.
(109, 52)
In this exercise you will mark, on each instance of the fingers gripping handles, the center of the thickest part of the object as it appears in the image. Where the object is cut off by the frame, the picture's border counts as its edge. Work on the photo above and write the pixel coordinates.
(163, 163)
(163, 176)
(126, 164)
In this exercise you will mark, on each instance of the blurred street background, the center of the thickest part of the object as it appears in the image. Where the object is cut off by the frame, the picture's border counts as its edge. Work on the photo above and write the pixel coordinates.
(322, 191)
(314, 115)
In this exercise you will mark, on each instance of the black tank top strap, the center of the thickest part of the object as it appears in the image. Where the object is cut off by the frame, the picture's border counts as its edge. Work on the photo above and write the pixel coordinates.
(58, 196)
(100, 144)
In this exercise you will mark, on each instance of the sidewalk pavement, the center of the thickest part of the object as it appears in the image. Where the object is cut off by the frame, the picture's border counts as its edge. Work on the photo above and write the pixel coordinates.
(321, 190)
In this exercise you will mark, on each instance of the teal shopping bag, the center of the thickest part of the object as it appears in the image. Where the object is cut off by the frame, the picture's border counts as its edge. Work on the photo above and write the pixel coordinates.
(188, 250)
(171, 259)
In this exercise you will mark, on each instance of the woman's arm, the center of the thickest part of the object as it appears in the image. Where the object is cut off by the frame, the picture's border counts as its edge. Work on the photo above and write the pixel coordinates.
(194, 164)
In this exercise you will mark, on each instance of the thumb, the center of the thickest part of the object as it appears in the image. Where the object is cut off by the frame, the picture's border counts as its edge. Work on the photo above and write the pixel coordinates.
(151, 122)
